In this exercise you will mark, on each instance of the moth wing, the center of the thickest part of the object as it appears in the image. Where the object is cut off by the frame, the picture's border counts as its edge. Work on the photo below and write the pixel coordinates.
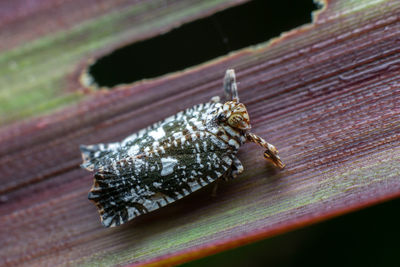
(140, 184)
(92, 155)
(98, 155)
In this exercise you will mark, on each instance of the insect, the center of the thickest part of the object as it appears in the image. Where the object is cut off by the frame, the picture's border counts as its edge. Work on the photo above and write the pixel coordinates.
(171, 158)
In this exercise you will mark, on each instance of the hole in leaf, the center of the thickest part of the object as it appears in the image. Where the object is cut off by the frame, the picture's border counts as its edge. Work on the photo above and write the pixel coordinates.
(202, 40)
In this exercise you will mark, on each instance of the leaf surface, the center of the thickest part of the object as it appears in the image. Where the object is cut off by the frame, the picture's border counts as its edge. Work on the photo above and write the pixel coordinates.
(327, 95)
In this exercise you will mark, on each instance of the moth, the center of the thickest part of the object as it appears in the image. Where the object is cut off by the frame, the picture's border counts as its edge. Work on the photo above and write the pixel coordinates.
(171, 158)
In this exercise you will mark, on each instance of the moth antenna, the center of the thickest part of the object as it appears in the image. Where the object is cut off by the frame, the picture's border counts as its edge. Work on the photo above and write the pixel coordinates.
(271, 153)
(230, 86)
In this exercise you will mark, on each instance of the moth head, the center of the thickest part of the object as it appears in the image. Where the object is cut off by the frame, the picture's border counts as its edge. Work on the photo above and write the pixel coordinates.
(235, 115)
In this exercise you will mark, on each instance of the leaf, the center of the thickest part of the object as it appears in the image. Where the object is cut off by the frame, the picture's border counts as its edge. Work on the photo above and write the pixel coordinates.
(326, 94)
(45, 45)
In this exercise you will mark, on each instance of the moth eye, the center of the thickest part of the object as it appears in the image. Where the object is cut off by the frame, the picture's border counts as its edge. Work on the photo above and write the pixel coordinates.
(237, 118)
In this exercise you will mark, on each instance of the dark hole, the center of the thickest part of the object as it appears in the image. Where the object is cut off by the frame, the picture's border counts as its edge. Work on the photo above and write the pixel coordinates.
(204, 39)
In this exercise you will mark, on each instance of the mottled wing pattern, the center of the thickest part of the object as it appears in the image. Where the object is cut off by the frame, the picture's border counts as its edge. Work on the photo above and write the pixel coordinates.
(96, 155)
(158, 165)
(189, 120)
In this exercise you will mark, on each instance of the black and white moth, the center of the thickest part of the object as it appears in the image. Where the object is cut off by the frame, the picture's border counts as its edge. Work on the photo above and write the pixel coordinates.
(171, 158)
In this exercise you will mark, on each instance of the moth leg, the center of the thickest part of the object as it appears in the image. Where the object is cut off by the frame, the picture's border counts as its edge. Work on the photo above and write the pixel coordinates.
(237, 168)
(230, 86)
(271, 153)
(234, 171)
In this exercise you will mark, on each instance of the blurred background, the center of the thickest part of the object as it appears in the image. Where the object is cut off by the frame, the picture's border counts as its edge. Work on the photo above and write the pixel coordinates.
(252, 23)
(368, 237)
